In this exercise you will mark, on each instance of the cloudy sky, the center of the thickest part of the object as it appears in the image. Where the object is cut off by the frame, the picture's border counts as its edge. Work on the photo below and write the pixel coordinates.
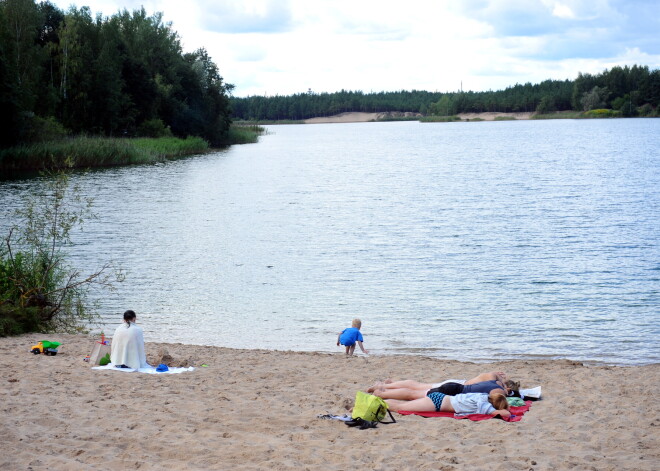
(269, 47)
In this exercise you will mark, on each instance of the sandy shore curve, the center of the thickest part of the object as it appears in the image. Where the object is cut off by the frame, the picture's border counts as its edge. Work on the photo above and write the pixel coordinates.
(257, 409)
(360, 117)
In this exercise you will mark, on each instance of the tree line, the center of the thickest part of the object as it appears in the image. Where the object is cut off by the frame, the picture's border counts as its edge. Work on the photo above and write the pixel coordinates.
(123, 75)
(629, 90)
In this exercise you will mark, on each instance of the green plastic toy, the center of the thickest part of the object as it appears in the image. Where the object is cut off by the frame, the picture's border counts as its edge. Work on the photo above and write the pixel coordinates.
(46, 347)
(105, 360)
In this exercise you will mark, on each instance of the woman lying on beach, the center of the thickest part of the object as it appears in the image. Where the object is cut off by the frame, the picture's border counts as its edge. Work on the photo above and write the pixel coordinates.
(493, 403)
(128, 344)
(408, 390)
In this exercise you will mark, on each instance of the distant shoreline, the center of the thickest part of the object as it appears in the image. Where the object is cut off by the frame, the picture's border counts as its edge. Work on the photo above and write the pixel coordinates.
(361, 117)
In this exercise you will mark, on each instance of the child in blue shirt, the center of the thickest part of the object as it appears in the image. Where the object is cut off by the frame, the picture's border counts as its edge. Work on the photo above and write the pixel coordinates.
(350, 336)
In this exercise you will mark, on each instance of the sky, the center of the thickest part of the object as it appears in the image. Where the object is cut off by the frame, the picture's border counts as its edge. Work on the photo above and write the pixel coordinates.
(282, 47)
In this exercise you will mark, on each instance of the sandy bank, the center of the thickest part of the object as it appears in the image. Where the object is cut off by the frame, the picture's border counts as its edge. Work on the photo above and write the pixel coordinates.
(359, 117)
(255, 409)
(366, 117)
(490, 116)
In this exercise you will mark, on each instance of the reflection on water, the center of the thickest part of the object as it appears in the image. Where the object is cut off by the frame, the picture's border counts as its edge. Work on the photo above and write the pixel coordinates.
(472, 241)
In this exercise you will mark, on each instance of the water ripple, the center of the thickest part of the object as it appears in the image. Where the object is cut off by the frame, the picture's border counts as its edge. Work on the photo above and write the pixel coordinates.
(461, 240)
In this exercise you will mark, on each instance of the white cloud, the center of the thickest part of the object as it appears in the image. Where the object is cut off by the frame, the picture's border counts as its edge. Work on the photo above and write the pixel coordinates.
(284, 47)
(562, 11)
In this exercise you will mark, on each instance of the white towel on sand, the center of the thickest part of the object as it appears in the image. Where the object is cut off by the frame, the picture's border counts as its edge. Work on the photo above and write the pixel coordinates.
(128, 346)
(147, 369)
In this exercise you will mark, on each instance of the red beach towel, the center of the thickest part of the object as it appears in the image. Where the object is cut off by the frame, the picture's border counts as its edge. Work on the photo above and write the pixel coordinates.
(516, 414)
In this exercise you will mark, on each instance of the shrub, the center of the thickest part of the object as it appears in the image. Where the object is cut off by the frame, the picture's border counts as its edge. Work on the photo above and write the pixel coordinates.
(645, 110)
(602, 113)
(37, 129)
(439, 119)
(154, 128)
(559, 115)
(547, 105)
(38, 290)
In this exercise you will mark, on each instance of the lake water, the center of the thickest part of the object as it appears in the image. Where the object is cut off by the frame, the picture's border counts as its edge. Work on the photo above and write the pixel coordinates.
(473, 241)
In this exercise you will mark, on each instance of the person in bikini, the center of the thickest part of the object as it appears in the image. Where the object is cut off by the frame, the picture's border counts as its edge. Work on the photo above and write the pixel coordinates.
(408, 390)
(494, 403)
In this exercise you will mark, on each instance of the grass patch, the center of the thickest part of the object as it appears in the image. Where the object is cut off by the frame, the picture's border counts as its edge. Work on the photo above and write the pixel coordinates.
(245, 133)
(169, 147)
(266, 121)
(559, 115)
(475, 119)
(396, 118)
(97, 152)
(504, 118)
(599, 113)
(602, 113)
(439, 119)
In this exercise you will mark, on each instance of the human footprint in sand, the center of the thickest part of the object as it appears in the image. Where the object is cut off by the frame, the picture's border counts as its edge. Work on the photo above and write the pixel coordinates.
(493, 403)
(127, 347)
(408, 390)
(349, 337)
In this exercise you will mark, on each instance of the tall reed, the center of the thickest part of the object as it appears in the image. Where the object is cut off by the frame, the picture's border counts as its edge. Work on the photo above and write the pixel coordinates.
(245, 134)
(85, 151)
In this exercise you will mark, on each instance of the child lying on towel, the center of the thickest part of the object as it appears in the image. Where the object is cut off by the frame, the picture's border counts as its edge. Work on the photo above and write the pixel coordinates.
(493, 403)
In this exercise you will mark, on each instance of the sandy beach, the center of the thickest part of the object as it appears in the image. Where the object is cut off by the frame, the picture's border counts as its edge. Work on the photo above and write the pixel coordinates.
(257, 409)
(366, 117)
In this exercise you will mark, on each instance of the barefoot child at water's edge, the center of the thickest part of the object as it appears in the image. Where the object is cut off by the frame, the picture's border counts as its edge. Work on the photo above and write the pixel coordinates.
(350, 336)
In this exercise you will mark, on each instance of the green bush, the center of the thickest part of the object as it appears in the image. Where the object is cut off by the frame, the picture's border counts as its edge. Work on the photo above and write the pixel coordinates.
(439, 119)
(602, 113)
(37, 129)
(17, 320)
(38, 289)
(646, 110)
(154, 128)
(559, 115)
(546, 105)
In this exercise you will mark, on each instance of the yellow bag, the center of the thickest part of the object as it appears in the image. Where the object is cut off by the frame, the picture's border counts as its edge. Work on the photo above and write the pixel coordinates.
(371, 408)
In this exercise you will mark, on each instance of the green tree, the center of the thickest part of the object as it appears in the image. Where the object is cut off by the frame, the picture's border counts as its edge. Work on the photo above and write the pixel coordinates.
(546, 105)
(23, 21)
(594, 99)
(9, 103)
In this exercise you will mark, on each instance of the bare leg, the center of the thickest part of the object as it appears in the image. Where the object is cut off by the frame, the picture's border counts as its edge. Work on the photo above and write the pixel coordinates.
(482, 377)
(377, 385)
(423, 404)
(491, 376)
(403, 394)
(407, 384)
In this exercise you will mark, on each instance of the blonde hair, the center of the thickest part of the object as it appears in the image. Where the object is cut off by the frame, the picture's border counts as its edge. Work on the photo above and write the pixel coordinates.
(512, 385)
(356, 323)
(498, 400)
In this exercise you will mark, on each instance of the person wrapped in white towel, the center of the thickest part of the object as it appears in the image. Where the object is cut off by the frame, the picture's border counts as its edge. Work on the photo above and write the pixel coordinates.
(128, 344)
